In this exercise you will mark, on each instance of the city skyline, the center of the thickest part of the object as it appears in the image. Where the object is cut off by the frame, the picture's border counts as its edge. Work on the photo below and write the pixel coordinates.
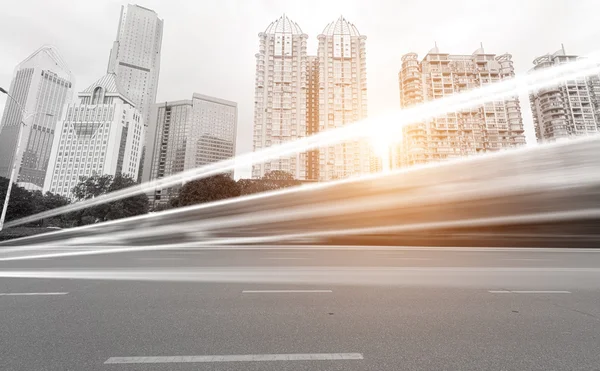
(387, 42)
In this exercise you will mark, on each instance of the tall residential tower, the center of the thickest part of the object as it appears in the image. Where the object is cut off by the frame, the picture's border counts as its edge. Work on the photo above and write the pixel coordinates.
(135, 56)
(486, 128)
(42, 85)
(569, 109)
(342, 98)
(280, 95)
(312, 115)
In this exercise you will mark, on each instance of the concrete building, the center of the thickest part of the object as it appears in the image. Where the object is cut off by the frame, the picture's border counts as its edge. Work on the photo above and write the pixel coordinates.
(312, 115)
(570, 109)
(280, 95)
(490, 127)
(135, 56)
(342, 98)
(102, 134)
(188, 134)
(42, 85)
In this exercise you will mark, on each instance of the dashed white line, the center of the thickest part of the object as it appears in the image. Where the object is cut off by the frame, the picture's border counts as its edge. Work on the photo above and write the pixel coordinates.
(31, 293)
(526, 259)
(528, 292)
(283, 291)
(284, 258)
(239, 358)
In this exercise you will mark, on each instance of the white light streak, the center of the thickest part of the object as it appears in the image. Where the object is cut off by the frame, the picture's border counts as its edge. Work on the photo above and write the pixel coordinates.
(391, 124)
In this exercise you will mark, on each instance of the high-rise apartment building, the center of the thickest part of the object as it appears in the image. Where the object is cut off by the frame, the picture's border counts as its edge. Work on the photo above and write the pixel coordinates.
(135, 56)
(312, 114)
(187, 134)
(280, 95)
(342, 98)
(569, 109)
(486, 128)
(102, 134)
(42, 85)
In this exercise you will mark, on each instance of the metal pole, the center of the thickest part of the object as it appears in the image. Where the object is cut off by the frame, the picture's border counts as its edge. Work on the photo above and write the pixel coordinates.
(17, 157)
(12, 176)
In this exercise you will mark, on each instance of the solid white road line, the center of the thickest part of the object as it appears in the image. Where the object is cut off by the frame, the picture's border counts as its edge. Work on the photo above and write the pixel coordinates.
(239, 358)
(528, 292)
(283, 291)
(31, 293)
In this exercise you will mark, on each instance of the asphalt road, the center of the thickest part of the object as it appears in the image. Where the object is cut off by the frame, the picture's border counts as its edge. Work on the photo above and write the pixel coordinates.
(271, 308)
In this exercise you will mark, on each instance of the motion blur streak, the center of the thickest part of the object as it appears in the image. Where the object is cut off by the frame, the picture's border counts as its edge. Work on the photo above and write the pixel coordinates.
(549, 190)
(473, 277)
(589, 214)
(390, 125)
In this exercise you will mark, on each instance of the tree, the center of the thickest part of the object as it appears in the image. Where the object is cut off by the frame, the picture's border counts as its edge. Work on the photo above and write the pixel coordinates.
(272, 180)
(97, 185)
(20, 204)
(24, 203)
(214, 188)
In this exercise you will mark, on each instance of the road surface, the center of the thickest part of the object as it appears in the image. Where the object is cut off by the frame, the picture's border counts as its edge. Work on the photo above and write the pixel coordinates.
(317, 308)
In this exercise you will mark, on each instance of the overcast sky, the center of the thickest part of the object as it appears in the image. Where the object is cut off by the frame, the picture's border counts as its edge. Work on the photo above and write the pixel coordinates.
(209, 46)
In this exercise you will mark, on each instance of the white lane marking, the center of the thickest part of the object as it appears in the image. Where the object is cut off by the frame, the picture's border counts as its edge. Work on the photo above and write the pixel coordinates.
(31, 293)
(525, 259)
(407, 258)
(283, 291)
(284, 258)
(158, 259)
(239, 358)
(528, 292)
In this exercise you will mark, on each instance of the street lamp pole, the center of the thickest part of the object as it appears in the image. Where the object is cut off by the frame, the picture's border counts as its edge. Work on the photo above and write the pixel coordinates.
(16, 159)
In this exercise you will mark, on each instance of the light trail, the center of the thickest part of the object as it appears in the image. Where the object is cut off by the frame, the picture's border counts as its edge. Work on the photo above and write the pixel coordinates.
(391, 124)
(543, 278)
(533, 180)
(547, 217)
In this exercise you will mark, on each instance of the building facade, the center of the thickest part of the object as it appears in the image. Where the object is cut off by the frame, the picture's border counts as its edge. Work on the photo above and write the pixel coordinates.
(570, 109)
(342, 98)
(280, 95)
(135, 56)
(100, 135)
(312, 115)
(188, 134)
(42, 85)
(490, 127)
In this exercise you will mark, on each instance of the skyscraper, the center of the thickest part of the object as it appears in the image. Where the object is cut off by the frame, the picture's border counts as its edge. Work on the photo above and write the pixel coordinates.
(312, 114)
(102, 134)
(280, 95)
(135, 56)
(490, 127)
(187, 134)
(41, 84)
(342, 98)
(566, 110)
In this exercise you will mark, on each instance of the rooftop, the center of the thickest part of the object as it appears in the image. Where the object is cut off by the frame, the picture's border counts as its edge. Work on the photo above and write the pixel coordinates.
(284, 25)
(341, 27)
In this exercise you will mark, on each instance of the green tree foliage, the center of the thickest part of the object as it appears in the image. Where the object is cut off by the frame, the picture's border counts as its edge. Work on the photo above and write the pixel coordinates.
(214, 188)
(97, 185)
